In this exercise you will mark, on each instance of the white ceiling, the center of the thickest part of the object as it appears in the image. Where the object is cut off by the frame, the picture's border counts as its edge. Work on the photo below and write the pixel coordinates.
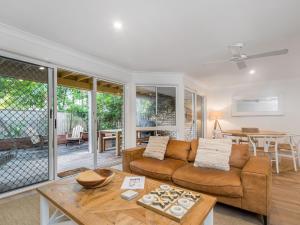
(168, 35)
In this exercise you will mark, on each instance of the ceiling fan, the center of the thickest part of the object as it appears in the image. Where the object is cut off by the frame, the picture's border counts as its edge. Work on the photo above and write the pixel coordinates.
(239, 57)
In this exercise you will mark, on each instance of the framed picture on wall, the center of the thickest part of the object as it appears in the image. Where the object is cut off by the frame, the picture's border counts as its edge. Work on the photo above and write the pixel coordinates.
(257, 106)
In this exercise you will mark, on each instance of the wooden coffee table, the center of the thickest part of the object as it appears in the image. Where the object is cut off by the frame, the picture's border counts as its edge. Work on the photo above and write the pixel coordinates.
(105, 206)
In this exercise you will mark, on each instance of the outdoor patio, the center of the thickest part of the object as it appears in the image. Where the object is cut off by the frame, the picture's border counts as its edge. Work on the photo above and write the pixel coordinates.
(30, 166)
(75, 156)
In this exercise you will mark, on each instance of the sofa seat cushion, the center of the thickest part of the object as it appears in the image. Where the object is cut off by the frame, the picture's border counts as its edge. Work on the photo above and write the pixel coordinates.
(211, 181)
(157, 169)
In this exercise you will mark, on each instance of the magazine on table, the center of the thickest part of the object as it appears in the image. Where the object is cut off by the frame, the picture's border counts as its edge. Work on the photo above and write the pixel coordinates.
(133, 182)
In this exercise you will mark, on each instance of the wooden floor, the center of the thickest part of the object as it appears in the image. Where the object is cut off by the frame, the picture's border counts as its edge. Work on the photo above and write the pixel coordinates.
(285, 208)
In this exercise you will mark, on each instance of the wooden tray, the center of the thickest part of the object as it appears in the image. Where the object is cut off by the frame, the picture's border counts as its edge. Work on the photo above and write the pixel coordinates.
(165, 211)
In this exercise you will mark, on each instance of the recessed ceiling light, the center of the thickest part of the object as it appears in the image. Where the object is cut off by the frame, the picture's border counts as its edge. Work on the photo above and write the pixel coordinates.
(118, 25)
(252, 72)
(41, 68)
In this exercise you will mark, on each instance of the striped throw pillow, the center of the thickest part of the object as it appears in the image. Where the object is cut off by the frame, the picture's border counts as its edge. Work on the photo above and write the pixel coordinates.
(156, 147)
(213, 153)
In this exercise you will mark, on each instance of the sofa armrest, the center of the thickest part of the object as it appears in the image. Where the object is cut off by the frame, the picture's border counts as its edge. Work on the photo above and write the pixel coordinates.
(130, 155)
(257, 182)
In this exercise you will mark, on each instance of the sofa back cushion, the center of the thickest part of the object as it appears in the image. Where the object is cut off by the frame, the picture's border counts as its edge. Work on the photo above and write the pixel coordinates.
(156, 147)
(177, 149)
(193, 152)
(239, 154)
(214, 154)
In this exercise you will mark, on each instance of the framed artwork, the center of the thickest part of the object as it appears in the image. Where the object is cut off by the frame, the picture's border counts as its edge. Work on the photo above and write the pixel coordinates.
(257, 106)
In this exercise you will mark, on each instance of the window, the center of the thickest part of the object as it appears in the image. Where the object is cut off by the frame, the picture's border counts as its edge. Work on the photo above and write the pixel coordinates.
(166, 106)
(156, 111)
(146, 106)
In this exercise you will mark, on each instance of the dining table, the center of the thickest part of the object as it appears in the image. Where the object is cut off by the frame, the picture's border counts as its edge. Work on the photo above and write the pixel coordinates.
(240, 133)
(254, 136)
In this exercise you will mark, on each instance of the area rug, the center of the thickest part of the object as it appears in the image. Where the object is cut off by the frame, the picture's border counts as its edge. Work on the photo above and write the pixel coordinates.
(72, 172)
(25, 211)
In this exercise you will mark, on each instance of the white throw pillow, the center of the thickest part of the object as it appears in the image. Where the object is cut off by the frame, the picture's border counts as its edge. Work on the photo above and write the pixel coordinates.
(156, 147)
(214, 153)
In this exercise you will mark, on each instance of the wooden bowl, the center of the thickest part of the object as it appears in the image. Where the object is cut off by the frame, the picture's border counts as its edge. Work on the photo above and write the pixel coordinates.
(94, 181)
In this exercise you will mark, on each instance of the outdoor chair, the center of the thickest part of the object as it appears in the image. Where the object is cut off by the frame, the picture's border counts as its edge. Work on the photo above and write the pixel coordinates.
(77, 133)
(36, 138)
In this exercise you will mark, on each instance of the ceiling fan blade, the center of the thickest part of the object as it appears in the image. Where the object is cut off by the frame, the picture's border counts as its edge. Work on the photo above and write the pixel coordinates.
(267, 54)
(241, 65)
(215, 62)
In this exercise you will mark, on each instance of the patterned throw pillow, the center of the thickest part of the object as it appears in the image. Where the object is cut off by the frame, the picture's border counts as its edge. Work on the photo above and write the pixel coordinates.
(214, 153)
(156, 147)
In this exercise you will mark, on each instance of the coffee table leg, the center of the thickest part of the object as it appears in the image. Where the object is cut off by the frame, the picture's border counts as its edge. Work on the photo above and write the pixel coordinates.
(210, 218)
(44, 211)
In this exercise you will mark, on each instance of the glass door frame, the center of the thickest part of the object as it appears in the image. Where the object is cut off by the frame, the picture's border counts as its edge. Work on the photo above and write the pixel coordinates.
(93, 114)
(203, 118)
(51, 118)
(52, 114)
(195, 95)
(194, 116)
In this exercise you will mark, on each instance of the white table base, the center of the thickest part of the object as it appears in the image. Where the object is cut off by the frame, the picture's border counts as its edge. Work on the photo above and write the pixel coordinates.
(209, 220)
(57, 218)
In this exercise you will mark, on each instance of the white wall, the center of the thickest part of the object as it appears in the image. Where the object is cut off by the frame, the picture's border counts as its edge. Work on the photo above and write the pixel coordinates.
(13, 40)
(194, 85)
(290, 122)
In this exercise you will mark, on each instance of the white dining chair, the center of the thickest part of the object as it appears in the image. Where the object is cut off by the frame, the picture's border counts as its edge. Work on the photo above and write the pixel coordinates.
(270, 146)
(283, 146)
(254, 141)
(235, 139)
(289, 147)
(267, 145)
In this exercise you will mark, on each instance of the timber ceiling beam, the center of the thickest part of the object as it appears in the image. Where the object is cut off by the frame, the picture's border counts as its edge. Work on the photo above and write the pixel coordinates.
(83, 82)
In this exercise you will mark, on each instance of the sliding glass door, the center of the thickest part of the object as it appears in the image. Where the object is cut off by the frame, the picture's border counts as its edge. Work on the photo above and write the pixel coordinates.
(25, 124)
(110, 123)
(74, 151)
(89, 121)
(194, 115)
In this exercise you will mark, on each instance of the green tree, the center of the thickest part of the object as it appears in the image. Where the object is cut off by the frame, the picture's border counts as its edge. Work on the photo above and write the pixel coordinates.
(109, 111)
(22, 94)
(27, 95)
(75, 102)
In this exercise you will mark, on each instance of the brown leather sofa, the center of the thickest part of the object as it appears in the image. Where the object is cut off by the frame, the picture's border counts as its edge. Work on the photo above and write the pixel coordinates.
(247, 185)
